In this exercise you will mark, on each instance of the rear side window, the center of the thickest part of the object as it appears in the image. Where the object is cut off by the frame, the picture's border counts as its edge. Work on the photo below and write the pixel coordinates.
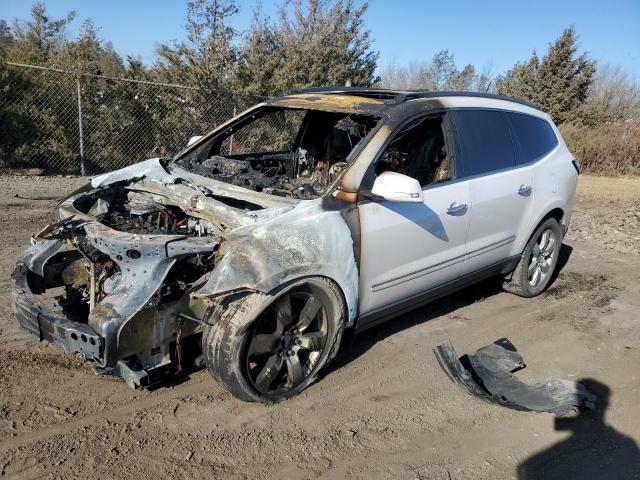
(485, 141)
(533, 137)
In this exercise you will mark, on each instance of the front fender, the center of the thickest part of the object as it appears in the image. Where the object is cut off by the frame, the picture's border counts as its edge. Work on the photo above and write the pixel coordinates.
(308, 240)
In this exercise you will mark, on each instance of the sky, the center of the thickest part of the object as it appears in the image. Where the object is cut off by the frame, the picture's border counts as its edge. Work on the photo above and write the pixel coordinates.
(491, 34)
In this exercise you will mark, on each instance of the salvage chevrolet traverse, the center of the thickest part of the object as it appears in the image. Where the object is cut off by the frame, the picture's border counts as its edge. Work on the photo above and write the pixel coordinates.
(308, 215)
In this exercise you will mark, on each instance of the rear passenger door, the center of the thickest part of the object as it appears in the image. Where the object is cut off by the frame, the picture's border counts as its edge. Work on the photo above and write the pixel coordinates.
(501, 191)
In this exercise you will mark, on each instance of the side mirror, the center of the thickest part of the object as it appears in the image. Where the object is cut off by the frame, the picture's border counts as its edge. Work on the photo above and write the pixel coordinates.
(193, 140)
(397, 187)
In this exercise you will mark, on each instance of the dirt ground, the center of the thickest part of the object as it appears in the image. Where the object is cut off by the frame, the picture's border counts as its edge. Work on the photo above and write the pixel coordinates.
(384, 410)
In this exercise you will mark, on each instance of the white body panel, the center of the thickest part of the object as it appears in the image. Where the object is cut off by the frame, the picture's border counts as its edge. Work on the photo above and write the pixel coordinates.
(407, 248)
(500, 216)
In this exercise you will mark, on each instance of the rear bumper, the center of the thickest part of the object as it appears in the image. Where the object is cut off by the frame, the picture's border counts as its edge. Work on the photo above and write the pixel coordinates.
(44, 324)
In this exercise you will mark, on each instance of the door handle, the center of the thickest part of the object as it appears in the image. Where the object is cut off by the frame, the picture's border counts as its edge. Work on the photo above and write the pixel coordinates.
(457, 208)
(524, 190)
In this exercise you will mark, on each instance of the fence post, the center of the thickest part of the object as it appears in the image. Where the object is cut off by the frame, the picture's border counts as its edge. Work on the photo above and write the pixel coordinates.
(82, 170)
(231, 138)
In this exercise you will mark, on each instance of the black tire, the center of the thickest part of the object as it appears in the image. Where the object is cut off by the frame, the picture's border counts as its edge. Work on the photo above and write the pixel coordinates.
(522, 280)
(237, 336)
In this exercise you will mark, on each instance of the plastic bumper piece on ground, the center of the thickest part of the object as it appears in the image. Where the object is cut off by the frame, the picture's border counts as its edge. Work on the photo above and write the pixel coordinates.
(488, 374)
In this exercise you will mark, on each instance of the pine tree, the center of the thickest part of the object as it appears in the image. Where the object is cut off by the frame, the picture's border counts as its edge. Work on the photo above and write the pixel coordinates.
(313, 43)
(559, 84)
(260, 57)
(88, 54)
(208, 58)
(37, 39)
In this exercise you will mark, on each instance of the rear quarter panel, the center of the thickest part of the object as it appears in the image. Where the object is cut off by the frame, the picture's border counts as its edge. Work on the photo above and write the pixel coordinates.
(554, 186)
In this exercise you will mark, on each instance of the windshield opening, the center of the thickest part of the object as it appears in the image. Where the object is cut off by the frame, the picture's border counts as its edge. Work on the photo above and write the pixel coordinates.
(281, 151)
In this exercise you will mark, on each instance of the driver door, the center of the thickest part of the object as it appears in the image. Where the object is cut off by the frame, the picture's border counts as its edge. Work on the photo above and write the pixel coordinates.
(410, 248)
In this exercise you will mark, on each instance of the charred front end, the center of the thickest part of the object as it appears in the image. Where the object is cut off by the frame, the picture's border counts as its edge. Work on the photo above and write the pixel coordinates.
(142, 255)
(111, 280)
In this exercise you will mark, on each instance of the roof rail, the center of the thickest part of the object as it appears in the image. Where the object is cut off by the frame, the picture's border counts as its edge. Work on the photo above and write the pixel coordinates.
(434, 94)
(401, 95)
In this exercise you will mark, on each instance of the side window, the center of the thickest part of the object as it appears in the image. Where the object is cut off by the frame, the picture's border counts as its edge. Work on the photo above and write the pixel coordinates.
(420, 151)
(533, 137)
(485, 141)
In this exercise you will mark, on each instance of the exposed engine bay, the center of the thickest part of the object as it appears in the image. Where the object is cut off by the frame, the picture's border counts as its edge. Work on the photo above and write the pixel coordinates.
(292, 153)
(135, 213)
(114, 273)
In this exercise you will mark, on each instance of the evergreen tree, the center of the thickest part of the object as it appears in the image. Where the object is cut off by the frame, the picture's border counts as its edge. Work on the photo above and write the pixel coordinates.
(208, 58)
(559, 84)
(313, 43)
(37, 39)
(89, 54)
(260, 57)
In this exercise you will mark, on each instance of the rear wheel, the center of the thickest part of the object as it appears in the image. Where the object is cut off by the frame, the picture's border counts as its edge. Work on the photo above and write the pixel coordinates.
(537, 262)
(265, 349)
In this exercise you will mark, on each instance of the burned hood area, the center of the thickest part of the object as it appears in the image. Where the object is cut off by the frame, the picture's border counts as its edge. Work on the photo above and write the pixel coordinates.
(110, 278)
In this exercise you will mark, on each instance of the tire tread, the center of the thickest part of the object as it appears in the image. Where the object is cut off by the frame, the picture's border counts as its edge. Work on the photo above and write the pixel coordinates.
(226, 329)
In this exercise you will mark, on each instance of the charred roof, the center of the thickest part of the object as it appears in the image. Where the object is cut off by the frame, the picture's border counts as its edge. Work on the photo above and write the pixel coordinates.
(370, 100)
(330, 101)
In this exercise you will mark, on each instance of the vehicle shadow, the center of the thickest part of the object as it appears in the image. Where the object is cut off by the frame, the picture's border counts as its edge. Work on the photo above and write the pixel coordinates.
(421, 215)
(353, 346)
(594, 450)
(563, 258)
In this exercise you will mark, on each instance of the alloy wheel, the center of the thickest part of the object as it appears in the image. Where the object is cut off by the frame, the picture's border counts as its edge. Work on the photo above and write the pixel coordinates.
(287, 341)
(541, 259)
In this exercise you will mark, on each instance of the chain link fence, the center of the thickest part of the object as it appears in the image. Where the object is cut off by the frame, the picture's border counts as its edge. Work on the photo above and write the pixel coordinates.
(68, 123)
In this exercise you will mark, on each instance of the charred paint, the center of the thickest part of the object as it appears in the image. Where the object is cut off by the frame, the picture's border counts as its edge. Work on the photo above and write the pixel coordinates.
(330, 103)
(308, 240)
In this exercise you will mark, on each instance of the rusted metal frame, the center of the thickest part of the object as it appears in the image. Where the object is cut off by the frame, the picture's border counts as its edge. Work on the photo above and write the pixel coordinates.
(196, 204)
(139, 282)
(34, 316)
(140, 277)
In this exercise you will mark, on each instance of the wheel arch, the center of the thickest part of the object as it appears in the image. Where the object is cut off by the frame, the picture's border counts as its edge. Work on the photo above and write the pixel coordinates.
(225, 340)
(557, 213)
(553, 210)
(308, 240)
(275, 287)
(285, 286)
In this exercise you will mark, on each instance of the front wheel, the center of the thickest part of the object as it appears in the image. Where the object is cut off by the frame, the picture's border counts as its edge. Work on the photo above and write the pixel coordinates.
(537, 262)
(268, 349)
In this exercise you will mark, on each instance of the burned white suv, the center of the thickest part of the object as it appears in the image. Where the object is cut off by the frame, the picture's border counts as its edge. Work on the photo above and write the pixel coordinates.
(253, 250)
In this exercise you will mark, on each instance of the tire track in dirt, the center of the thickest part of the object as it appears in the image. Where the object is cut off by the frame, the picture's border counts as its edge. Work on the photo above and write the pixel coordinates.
(191, 387)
